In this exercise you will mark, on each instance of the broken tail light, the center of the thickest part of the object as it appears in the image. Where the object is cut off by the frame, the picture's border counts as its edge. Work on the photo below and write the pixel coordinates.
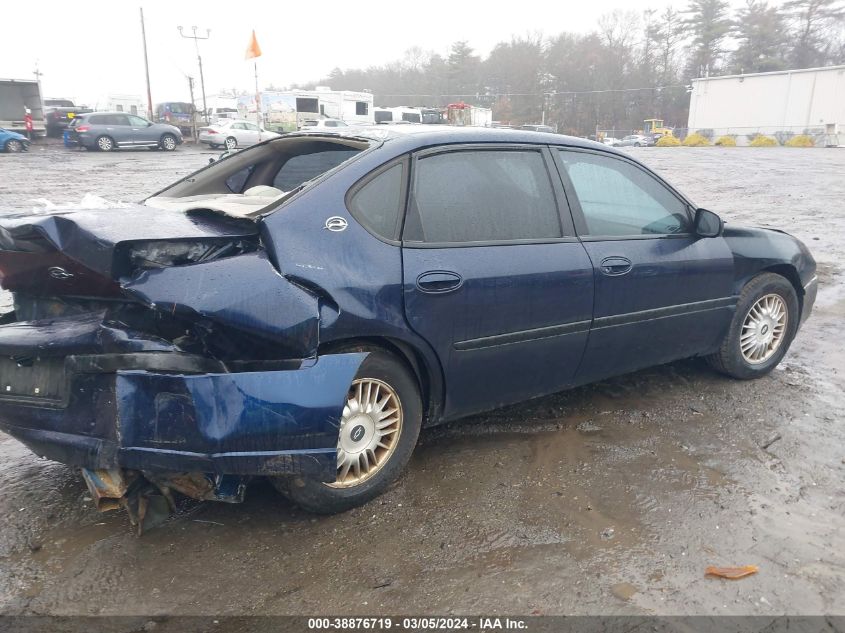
(166, 254)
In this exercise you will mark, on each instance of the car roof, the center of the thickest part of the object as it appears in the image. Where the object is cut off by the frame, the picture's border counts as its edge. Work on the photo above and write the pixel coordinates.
(422, 135)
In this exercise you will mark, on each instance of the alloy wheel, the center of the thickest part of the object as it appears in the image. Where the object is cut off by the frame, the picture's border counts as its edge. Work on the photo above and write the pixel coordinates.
(169, 143)
(231, 143)
(369, 431)
(763, 329)
(14, 146)
(105, 143)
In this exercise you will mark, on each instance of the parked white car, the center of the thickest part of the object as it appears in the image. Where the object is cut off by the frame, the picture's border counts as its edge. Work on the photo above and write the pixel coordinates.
(321, 124)
(233, 134)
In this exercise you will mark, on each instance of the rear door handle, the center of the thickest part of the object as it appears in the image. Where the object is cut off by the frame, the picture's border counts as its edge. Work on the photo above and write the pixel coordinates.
(615, 266)
(439, 281)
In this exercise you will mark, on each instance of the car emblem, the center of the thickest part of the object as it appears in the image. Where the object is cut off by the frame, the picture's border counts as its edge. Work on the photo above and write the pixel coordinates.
(357, 433)
(59, 273)
(336, 224)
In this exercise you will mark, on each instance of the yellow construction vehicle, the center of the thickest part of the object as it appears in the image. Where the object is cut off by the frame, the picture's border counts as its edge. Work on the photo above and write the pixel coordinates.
(655, 127)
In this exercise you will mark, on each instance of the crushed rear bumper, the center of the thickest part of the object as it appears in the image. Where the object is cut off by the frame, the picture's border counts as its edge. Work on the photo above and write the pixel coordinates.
(158, 410)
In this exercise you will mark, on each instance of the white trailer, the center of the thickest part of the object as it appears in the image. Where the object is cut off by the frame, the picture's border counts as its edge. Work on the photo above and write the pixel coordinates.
(808, 101)
(354, 108)
(398, 114)
(16, 96)
(133, 104)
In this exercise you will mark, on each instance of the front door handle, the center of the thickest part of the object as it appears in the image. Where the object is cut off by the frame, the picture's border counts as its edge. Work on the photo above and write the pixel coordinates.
(439, 281)
(615, 266)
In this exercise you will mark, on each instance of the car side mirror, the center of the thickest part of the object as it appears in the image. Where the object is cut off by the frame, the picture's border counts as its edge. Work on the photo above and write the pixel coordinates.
(707, 223)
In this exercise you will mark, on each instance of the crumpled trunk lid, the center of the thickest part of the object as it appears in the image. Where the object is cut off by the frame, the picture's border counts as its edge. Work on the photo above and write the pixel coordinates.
(202, 277)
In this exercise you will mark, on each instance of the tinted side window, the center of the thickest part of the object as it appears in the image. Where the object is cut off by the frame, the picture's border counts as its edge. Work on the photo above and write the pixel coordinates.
(99, 119)
(473, 196)
(377, 205)
(618, 198)
(361, 108)
(235, 183)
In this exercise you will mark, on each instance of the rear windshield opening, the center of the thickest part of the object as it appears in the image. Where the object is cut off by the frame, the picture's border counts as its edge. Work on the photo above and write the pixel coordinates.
(248, 181)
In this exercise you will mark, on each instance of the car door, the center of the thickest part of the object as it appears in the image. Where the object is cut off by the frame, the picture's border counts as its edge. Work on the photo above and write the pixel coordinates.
(494, 278)
(142, 132)
(661, 292)
(122, 130)
(250, 133)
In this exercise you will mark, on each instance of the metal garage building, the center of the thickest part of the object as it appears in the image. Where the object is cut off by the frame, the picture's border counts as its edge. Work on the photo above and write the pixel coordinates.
(809, 101)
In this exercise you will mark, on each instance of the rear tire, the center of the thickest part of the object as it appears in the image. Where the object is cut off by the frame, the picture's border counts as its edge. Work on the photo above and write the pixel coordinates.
(757, 339)
(363, 474)
(105, 143)
(231, 143)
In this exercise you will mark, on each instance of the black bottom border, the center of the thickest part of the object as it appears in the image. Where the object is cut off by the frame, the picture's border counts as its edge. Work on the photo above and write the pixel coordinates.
(485, 624)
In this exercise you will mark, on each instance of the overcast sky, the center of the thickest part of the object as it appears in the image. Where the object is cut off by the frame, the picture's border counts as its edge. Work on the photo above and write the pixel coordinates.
(89, 49)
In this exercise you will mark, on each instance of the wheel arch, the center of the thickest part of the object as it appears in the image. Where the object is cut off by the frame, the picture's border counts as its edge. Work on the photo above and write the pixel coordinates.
(790, 273)
(428, 378)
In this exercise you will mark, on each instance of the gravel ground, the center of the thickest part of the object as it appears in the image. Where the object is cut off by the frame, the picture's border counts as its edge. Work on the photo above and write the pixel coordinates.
(611, 498)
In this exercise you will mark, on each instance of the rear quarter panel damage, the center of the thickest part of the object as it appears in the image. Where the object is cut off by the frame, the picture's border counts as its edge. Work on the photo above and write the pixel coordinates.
(243, 292)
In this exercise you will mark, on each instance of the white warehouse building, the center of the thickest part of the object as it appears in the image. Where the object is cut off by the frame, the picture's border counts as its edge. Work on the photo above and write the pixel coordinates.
(808, 101)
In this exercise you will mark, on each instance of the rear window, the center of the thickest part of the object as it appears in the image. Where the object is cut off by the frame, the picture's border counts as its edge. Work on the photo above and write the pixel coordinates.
(306, 104)
(304, 167)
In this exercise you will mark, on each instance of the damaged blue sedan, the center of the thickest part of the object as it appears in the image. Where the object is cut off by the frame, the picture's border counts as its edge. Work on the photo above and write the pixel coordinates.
(300, 309)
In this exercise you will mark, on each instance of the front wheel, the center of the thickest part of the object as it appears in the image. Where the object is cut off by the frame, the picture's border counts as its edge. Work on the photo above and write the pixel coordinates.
(765, 322)
(378, 430)
(168, 142)
(14, 146)
(231, 143)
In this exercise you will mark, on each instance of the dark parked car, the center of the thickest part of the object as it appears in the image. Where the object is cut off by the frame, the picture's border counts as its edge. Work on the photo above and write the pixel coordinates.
(59, 114)
(394, 278)
(107, 131)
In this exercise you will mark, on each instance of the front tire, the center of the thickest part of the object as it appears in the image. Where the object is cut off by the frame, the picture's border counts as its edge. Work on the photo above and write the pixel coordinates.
(378, 431)
(168, 142)
(766, 320)
(231, 143)
(14, 146)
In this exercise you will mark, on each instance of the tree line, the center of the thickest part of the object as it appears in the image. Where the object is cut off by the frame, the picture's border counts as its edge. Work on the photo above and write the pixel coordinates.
(632, 66)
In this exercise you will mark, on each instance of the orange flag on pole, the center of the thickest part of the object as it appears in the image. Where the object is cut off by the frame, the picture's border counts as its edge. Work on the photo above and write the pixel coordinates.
(253, 50)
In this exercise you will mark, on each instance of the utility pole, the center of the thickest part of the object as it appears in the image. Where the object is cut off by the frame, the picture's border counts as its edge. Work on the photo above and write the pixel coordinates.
(146, 67)
(196, 39)
(193, 118)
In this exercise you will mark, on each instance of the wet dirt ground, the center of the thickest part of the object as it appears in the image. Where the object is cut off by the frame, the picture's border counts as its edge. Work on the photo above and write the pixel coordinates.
(612, 498)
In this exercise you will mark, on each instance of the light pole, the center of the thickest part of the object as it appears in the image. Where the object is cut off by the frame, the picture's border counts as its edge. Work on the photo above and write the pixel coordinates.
(196, 39)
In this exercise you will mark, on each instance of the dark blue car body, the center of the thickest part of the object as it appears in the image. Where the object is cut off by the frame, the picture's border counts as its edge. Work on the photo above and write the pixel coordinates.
(258, 387)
